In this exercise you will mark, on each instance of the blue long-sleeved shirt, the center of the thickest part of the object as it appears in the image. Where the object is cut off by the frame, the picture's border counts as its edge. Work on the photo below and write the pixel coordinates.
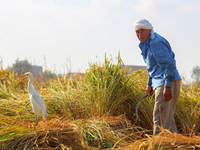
(161, 65)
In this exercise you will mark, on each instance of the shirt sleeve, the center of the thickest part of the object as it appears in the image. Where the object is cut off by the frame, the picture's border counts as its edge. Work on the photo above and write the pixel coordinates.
(161, 52)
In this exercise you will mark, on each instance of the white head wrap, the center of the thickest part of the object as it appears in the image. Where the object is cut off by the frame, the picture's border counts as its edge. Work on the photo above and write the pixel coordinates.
(144, 24)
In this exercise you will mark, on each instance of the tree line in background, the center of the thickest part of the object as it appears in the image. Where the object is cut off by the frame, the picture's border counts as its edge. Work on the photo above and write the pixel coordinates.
(23, 66)
(196, 74)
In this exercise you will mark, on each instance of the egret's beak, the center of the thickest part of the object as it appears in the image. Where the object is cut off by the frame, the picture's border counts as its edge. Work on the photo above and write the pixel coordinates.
(23, 75)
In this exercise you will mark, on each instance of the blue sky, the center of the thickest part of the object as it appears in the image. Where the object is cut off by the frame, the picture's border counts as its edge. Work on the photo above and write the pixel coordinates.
(70, 34)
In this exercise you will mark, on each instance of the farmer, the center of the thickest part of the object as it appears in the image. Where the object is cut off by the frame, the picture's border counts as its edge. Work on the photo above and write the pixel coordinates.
(163, 76)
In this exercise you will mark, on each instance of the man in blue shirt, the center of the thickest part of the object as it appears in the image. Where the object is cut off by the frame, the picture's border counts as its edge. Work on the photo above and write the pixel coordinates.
(163, 76)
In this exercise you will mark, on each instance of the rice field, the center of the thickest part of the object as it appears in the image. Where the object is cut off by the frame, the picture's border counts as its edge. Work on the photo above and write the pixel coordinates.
(95, 110)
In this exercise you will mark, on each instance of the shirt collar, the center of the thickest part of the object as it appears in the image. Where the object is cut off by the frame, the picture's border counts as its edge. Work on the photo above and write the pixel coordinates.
(147, 42)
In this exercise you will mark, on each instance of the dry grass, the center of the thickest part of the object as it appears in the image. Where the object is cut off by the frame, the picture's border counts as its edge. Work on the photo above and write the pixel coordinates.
(92, 111)
(64, 134)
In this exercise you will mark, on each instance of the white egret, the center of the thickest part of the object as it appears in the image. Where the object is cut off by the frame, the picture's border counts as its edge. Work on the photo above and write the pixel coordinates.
(36, 100)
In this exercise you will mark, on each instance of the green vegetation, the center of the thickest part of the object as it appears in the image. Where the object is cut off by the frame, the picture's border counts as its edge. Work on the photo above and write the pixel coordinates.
(94, 110)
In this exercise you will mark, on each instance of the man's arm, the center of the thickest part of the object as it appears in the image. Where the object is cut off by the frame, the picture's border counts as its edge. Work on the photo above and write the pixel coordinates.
(164, 60)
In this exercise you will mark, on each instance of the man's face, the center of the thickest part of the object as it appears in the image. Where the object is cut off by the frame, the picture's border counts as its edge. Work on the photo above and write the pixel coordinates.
(143, 34)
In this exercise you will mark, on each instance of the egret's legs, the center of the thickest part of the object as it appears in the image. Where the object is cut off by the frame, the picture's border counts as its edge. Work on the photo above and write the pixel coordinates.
(37, 119)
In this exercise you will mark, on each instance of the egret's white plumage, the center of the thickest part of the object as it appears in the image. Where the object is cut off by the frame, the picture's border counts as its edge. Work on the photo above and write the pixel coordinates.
(36, 100)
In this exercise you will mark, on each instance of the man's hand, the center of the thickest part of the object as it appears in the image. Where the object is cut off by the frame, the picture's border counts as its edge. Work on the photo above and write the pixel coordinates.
(149, 90)
(167, 94)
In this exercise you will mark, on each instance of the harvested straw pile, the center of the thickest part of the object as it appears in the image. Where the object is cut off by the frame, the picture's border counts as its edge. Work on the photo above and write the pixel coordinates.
(52, 134)
(63, 134)
(165, 140)
(90, 134)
